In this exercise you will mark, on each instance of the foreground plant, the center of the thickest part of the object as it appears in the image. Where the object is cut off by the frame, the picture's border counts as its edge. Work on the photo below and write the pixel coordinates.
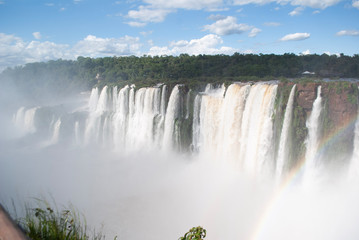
(45, 222)
(195, 233)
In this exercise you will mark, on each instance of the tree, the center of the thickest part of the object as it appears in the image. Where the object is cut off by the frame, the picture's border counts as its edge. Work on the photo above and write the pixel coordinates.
(195, 233)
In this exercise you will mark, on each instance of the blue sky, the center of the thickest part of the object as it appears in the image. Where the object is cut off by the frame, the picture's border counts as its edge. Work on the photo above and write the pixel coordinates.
(43, 30)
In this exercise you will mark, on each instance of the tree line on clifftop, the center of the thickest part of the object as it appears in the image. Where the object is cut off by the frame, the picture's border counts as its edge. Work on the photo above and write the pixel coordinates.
(67, 76)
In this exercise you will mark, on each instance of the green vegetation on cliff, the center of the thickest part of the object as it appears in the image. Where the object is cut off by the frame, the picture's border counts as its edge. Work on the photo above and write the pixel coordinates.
(66, 76)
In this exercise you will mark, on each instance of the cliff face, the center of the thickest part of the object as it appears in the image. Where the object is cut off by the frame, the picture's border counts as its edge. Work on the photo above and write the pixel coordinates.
(340, 100)
(306, 94)
(339, 112)
(341, 103)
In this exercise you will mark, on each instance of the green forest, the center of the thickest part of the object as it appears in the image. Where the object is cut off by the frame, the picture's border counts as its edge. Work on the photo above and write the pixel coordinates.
(68, 76)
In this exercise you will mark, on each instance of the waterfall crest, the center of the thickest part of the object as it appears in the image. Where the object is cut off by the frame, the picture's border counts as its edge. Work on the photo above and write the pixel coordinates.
(283, 151)
(230, 125)
(312, 141)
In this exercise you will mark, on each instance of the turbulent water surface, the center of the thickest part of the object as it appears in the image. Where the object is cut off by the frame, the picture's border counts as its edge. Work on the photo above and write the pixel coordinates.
(150, 163)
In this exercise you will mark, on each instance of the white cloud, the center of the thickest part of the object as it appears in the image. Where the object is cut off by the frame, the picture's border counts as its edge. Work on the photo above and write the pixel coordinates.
(208, 44)
(136, 24)
(356, 4)
(306, 52)
(227, 26)
(348, 33)
(217, 9)
(185, 4)
(148, 14)
(44, 51)
(15, 51)
(49, 4)
(316, 12)
(254, 32)
(77, 1)
(157, 10)
(62, 9)
(37, 35)
(297, 11)
(331, 54)
(259, 2)
(295, 37)
(2, 2)
(93, 46)
(322, 4)
(271, 24)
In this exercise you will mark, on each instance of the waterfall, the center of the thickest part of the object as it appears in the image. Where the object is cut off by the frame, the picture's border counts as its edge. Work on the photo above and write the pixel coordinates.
(171, 116)
(283, 152)
(56, 132)
(93, 100)
(210, 115)
(218, 125)
(196, 123)
(256, 149)
(18, 118)
(120, 118)
(97, 108)
(237, 127)
(312, 141)
(232, 125)
(114, 99)
(24, 120)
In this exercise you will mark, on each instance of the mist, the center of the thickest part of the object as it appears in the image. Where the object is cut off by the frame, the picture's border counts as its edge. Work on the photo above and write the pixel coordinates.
(152, 194)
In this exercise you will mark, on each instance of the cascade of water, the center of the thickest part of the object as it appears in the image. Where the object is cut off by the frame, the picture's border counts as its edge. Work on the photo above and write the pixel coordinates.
(120, 118)
(196, 123)
(141, 123)
(283, 151)
(77, 133)
(135, 124)
(231, 120)
(171, 116)
(256, 130)
(163, 100)
(102, 101)
(265, 158)
(18, 118)
(56, 132)
(29, 120)
(210, 120)
(188, 99)
(93, 99)
(157, 117)
(114, 99)
(312, 141)
(92, 130)
(150, 111)
(160, 118)
(131, 102)
(208, 88)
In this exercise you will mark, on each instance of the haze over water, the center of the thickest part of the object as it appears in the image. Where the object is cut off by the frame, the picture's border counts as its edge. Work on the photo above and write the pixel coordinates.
(123, 160)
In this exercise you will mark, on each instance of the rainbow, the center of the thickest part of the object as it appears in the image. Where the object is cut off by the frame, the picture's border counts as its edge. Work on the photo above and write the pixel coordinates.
(294, 178)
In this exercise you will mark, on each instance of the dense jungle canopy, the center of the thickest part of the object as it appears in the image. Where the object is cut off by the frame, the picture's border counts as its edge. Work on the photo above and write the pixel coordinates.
(66, 76)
